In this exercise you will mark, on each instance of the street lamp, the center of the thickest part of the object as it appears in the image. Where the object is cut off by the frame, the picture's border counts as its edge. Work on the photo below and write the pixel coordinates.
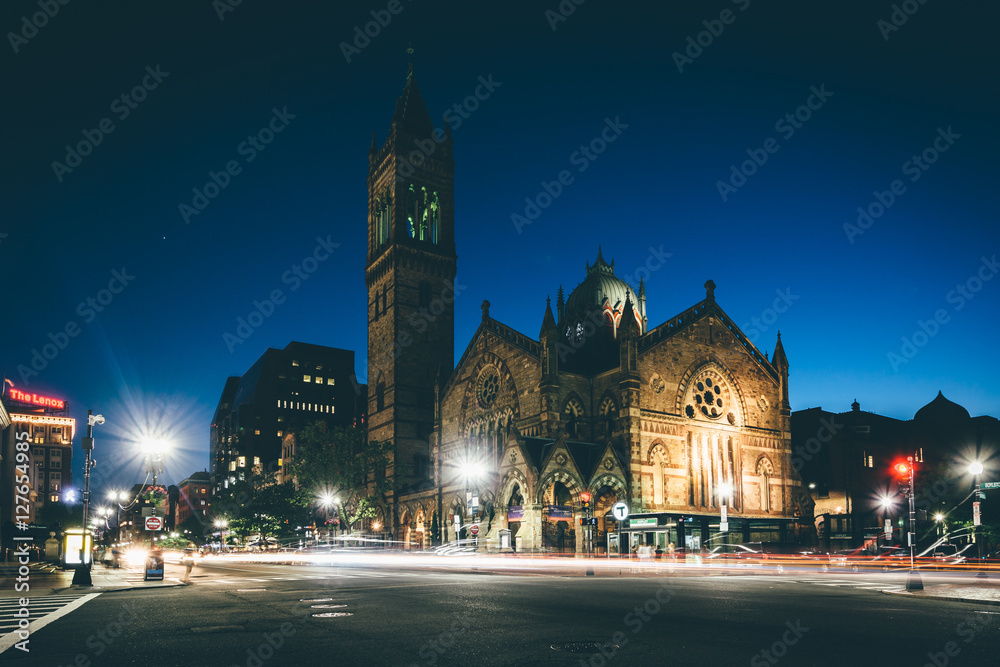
(222, 524)
(81, 577)
(472, 471)
(976, 469)
(118, 497)
(725, 490)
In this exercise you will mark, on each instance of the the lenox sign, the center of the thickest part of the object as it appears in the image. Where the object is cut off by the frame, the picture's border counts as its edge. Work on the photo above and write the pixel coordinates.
(35, 399)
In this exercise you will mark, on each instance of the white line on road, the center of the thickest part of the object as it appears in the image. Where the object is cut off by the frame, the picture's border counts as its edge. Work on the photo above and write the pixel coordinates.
(13, 638)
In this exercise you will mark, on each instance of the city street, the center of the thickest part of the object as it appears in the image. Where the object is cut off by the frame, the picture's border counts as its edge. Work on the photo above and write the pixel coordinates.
(254, 614)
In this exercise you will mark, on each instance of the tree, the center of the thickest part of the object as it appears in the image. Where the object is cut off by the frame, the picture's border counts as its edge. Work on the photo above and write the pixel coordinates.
(258, 505)
(193, 528)
(342, 463)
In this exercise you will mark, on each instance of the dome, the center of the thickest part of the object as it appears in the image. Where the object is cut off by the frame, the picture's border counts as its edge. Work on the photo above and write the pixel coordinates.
(603, 291)
(941, 410)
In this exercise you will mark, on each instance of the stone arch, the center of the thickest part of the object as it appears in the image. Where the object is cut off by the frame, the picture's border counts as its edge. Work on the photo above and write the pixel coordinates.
(711, 362)
(765, 469)
(612, 481)
(658, 459)
(513, 477)
(764, 465)
(570, 481)
(607, 412)
(573, 414)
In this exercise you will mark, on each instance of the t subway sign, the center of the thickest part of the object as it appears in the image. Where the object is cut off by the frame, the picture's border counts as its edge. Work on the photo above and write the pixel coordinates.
(35, 399)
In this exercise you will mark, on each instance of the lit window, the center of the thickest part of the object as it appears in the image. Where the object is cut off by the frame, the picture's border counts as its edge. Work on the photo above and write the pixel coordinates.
(256, 460)
(280, 433)
(256, 431)
(242, 462)
(232, 466)
(54, 498)
(330, 381)
(319, 380)
(279, 403)
(333, 408)
(307, 378)
(871, 462)
(294, 363)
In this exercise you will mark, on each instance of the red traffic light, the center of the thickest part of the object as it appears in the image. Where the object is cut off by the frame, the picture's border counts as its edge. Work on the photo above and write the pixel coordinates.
(902, 470)
(585, 496)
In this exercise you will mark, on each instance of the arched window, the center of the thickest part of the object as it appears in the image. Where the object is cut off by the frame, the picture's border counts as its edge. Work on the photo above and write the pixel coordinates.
(573, 413)
(659, 461)
(412, 213)
(434, 207)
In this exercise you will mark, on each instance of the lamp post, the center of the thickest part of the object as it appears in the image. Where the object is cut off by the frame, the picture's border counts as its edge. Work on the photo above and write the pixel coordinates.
(117, 497)
(222, 524)
(885, 502)
(725, 490)
(913, 580)
(471, 471)
(976, 469)
(81, 576)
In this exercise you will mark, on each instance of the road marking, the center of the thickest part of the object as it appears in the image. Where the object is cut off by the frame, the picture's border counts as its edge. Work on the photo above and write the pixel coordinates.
(12, 638)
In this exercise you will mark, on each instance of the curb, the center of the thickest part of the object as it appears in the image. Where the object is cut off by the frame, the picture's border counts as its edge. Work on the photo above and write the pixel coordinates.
(941, 597)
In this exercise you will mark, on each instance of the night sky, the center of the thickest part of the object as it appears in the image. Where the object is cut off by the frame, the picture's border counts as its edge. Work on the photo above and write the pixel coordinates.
(838, 110)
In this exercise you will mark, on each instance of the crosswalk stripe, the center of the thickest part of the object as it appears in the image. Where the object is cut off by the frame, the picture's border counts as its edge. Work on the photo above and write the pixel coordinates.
(38, 622)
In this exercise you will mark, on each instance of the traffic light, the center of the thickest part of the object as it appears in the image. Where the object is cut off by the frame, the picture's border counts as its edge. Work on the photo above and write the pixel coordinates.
(585, 497)
(902, 470)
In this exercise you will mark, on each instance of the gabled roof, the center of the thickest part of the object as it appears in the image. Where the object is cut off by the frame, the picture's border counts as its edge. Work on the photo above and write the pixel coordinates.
(696, 313)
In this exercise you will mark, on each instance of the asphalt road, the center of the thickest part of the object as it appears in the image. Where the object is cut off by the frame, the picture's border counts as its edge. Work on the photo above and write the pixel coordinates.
(255, 615)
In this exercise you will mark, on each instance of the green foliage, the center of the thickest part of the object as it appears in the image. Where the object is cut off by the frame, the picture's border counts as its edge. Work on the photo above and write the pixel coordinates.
(193, 528)
(259, 505)
(342, 463)
(174, 543)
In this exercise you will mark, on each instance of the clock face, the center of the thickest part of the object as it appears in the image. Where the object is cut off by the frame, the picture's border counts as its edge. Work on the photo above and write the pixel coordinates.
(488, 387)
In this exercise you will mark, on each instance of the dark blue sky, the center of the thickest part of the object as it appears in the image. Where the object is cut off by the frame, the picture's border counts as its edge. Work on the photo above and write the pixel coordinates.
(155, 359)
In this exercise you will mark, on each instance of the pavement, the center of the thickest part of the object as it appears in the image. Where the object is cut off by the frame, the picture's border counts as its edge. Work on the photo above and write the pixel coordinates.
(48, 579)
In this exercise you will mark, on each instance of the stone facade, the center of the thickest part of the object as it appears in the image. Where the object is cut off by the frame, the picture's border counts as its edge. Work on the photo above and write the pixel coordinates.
(675, 420)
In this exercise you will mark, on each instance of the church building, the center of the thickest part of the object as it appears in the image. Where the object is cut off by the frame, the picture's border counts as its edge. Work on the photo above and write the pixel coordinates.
(685, 422)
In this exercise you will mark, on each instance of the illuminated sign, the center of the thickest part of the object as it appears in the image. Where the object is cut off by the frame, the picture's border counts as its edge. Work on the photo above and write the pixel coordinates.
(35, 399)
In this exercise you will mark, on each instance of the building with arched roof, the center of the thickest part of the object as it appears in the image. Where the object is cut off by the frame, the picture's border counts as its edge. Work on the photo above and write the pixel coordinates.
(676, 420)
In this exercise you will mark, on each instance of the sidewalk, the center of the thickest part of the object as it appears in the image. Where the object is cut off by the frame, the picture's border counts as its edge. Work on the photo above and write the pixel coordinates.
(986, 591)
(47, 579)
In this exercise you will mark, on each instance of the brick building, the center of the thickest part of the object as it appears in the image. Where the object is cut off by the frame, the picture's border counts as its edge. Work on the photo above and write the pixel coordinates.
(673, 419)
(194, 497)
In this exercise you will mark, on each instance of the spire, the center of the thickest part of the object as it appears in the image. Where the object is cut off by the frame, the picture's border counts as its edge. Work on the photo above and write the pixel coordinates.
(710, 291)
(411, 112)
(560, 304)
(628, 322)
(779, 354)
(548, 322)
(374, 147)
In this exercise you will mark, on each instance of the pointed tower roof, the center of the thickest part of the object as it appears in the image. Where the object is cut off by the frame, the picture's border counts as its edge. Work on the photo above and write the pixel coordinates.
(779, 353)
(411, 112)
(548, 321)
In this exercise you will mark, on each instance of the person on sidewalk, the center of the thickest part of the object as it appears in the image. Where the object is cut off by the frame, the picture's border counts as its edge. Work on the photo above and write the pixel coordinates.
(188, 564)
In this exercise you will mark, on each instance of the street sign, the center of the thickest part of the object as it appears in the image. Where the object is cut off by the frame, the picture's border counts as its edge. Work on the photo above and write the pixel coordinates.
(990, 485)
(645, 521)
(474, 529)
(154, 523)
(619, 511)
(975, 514)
